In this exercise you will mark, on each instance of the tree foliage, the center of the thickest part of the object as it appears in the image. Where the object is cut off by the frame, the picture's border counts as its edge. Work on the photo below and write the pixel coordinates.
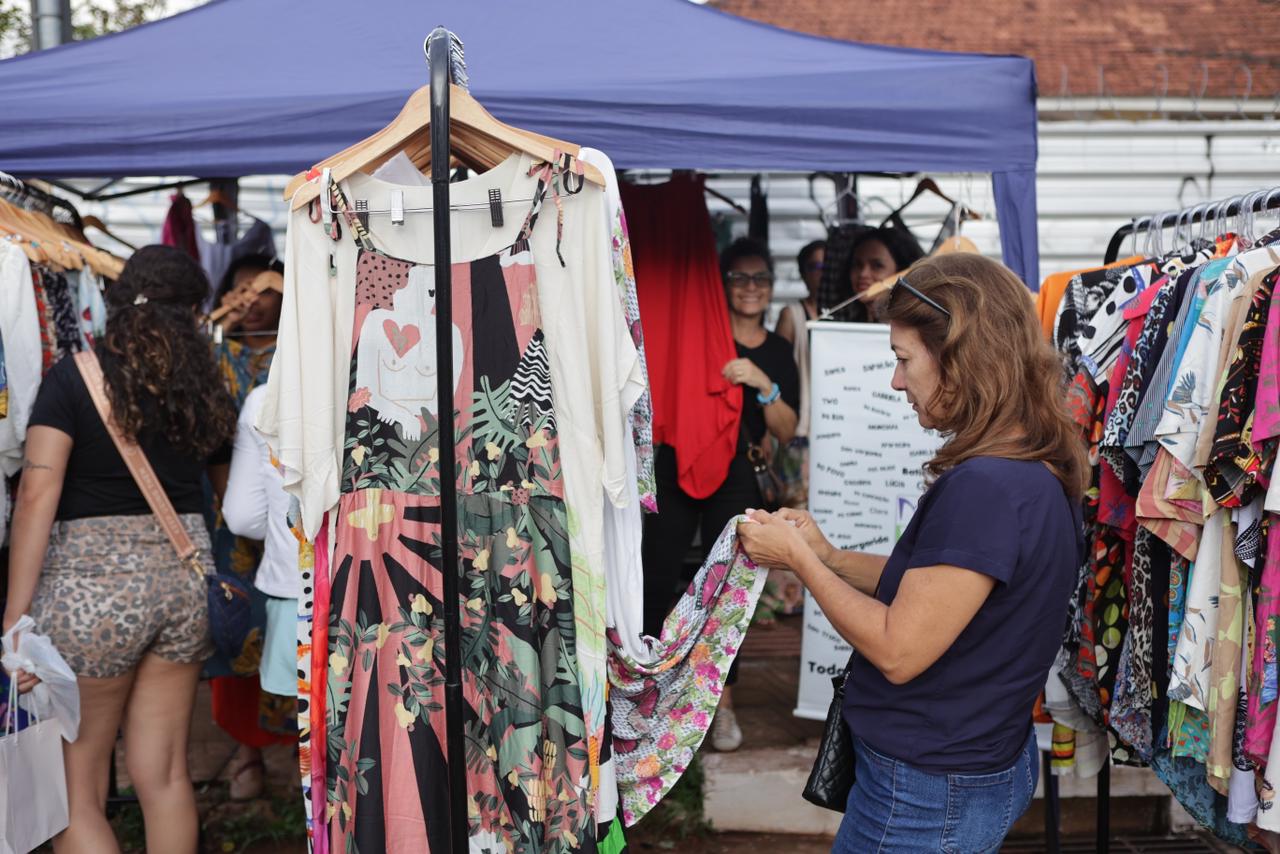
(89, 19)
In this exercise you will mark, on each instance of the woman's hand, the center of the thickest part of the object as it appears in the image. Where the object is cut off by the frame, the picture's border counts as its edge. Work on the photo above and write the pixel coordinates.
(745, 372)
(771, 541)
(809, 531)
(26, 681)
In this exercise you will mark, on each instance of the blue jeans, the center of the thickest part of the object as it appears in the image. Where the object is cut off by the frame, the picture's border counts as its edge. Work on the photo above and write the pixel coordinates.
(894, 807)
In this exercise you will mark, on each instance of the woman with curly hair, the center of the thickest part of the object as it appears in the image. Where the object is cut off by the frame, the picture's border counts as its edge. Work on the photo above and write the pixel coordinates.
(956, 630)
(91, 564)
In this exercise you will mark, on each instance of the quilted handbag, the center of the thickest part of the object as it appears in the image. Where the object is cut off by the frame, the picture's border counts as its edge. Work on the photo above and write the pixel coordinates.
(831, 779)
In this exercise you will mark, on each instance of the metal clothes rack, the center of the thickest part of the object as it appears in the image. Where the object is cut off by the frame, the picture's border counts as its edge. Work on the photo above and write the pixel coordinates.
(438, 47)
(26, 196)
(1242, 206)
(1247, 204)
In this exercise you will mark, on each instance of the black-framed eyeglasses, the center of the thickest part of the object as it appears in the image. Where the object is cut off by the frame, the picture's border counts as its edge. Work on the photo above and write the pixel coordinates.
(907, 286)
(739, 279)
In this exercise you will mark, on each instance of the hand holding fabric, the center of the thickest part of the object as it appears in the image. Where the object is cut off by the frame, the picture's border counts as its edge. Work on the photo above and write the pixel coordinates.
(809, 531)
(772, 541)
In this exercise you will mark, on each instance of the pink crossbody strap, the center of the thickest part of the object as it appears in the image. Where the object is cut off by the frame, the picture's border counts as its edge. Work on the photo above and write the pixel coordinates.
(143, 474)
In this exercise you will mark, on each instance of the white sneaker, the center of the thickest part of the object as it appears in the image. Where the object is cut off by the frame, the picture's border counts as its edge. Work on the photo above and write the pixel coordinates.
(726, 735)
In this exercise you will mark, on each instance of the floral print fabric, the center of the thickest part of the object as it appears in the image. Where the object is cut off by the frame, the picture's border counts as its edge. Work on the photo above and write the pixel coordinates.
(528, 774)
(641, 415)
(663, 706)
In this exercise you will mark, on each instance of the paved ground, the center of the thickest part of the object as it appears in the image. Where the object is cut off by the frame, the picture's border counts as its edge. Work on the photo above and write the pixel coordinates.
(765, 697)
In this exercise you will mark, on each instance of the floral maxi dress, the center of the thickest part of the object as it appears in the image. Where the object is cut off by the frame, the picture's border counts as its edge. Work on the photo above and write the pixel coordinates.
(528, 783)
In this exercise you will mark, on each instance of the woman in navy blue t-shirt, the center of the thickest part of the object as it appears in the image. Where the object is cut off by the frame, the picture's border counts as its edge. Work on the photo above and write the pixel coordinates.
(955, 632)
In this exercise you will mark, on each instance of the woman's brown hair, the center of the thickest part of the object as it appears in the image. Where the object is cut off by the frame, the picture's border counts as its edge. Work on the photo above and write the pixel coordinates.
(160, 372)
(1000, 392)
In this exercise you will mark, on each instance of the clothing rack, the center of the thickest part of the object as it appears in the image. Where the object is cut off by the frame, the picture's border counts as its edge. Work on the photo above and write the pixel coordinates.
(1236, 206)
(24, 195)
(446, 65)
(1241, 207)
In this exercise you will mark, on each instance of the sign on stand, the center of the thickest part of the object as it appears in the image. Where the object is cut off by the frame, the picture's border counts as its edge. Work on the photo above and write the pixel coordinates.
(866, 458)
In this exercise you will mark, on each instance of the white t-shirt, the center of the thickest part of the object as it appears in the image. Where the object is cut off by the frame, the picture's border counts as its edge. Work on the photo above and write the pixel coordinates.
(20, 334)
(256, 505)
(623, 523)
(593, 361)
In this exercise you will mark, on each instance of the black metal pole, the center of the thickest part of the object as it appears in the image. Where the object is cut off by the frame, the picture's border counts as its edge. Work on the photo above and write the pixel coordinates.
(438, 60)
(1052, 807)
(1103, 843)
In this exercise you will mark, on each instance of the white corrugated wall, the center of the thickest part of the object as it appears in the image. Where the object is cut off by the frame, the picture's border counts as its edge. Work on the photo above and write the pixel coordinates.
(1093, 177)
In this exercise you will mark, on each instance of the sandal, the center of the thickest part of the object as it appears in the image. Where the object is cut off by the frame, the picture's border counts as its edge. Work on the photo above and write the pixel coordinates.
(248, 787)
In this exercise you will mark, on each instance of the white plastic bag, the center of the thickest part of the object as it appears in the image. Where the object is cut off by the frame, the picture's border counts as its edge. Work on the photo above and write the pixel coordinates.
(57, 698)
(33, 779)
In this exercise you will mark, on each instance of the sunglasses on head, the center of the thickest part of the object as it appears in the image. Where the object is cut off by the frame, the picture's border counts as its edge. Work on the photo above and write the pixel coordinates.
(903, 284)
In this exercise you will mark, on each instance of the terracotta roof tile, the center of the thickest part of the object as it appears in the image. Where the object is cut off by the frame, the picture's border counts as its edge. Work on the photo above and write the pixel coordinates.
(1131, 40)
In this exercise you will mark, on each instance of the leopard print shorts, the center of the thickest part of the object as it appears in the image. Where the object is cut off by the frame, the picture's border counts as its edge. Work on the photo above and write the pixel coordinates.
(112, 590)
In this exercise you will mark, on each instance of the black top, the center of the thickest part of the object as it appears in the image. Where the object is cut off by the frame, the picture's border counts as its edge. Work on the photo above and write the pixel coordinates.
(98, 483)
(774, 358)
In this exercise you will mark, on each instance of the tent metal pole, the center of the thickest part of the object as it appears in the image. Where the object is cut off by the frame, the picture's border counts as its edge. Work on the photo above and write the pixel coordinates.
(437, 48)
(92, 195)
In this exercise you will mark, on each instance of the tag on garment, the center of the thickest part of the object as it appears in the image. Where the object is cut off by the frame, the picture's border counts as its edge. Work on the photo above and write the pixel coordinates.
(397, 207)
(495, 208)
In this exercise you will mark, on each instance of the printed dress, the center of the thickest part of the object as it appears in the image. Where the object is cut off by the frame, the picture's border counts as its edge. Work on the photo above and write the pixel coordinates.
(528, 782)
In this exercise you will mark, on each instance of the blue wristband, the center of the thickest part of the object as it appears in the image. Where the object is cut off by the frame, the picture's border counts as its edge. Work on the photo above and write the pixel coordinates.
(773, 395)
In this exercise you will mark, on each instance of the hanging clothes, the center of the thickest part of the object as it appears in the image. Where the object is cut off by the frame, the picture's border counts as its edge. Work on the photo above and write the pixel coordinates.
(582, 322)
(20, 331)
(68, 338)
(758, 214)
(1171, 641)
(528, 760)
(92, 307)
(179, 229)
(686, 322)
(665, 697)
(623, 523)
(241, 708)
(1054, 287)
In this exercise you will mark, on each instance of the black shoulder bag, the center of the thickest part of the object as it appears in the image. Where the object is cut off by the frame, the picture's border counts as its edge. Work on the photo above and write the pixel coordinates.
(831, 779)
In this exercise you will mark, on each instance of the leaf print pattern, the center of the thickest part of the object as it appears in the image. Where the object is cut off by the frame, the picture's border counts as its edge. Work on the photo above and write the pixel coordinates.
(528, 781)
(1234, 465)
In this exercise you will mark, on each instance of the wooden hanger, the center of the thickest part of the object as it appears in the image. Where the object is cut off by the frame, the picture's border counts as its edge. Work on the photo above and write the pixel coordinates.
(956, 243)
(93, 222)
(35, 227)
(477, 138)
(215, 197)
(244, 296)
(46, 241)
